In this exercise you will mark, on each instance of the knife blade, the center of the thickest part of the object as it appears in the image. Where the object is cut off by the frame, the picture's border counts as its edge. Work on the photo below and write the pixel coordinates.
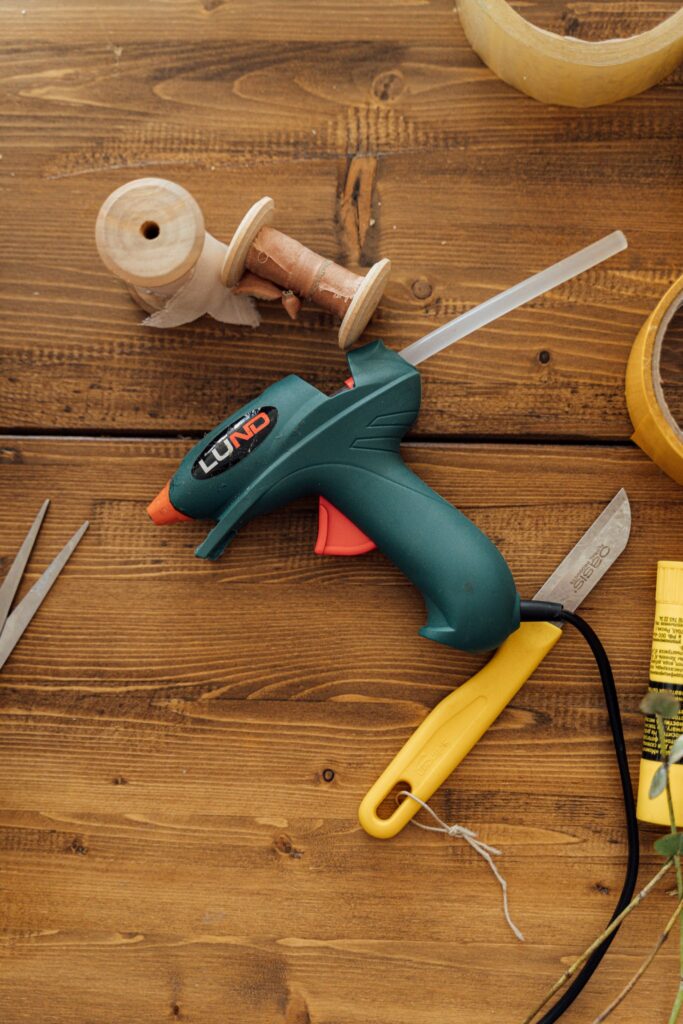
(591, 556)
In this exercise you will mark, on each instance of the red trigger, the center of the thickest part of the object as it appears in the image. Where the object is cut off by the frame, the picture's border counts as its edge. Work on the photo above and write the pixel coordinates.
(337, 535)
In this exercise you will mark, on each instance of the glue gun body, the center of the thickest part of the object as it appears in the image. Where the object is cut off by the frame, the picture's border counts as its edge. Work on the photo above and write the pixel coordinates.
(294, 441)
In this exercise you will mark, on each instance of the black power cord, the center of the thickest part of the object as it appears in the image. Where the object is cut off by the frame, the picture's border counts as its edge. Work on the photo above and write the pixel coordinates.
(545, 611)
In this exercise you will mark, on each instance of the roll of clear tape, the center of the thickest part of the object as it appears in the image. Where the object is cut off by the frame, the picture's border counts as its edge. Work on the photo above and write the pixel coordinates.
(567, 71)
(655, 431)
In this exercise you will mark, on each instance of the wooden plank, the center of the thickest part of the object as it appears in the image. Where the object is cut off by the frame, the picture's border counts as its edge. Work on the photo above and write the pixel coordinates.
(293, 981)
(169, 844)
(534, 501)
(385, 138)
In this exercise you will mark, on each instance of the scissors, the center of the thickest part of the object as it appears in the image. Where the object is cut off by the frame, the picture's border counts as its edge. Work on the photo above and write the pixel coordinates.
(13, 625)
(452, 728)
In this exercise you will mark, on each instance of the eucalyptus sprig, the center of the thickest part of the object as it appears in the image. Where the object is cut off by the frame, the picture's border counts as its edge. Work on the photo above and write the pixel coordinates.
(663, 707)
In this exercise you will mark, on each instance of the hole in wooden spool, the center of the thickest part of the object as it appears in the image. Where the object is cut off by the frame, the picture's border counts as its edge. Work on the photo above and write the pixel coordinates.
(150, 229)
(391, 800)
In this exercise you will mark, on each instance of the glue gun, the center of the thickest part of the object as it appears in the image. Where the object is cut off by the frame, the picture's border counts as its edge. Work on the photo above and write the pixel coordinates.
(293, 441)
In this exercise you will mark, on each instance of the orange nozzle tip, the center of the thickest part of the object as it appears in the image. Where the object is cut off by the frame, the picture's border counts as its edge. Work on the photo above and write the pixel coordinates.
(161, 510)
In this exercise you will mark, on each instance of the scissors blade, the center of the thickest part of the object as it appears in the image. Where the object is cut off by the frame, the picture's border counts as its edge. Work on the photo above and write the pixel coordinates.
(16, 571)
(27, 608)
(591, 556)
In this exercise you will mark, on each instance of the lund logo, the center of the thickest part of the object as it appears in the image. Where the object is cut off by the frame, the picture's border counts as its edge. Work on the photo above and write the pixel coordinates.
(235, 442)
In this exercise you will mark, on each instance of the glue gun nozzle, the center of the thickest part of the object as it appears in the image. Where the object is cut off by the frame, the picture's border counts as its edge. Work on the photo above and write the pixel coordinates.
(162, 511)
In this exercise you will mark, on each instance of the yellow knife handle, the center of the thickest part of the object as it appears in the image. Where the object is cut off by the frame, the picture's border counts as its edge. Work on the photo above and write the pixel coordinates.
(451, 729)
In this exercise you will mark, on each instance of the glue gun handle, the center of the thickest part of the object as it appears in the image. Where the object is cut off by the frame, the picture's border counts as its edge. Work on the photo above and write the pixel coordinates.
(452, 728)
(471, 598)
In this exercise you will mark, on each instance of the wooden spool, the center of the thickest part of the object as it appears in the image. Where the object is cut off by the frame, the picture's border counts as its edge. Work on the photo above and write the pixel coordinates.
(150, 233)
(270, 254)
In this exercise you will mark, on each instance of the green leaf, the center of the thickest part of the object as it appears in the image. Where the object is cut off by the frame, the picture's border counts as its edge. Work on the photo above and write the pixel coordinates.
(676, 752)
(658, 784)
(661, 704)
(670, 845)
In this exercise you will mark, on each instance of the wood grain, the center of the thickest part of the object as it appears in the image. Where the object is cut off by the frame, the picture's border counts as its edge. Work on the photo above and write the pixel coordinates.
(170, 847)
(379, 133)
(608, 19)
(671, 367)
(165, 812)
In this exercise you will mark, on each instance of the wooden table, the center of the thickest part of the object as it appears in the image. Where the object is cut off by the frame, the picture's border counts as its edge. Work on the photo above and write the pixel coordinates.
(170, 847)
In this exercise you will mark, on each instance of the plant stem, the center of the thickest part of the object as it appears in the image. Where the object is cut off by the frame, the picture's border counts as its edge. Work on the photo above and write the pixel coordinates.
(678, 1002)
(643, 967)
(676, 1009)
(600, 939)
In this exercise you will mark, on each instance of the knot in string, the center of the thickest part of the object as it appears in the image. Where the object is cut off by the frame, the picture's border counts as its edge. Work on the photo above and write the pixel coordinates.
(484, 850)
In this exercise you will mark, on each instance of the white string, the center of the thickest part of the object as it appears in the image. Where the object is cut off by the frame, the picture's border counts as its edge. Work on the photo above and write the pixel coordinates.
(478, 845)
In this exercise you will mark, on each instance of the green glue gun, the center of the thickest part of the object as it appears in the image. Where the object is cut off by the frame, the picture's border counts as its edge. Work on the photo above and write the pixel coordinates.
(293, 441)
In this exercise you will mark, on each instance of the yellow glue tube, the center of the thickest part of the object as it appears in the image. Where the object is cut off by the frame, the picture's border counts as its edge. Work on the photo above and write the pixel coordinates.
(666, 676)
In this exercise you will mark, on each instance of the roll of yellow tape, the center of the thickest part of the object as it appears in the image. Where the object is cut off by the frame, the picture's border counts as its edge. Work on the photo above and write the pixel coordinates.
(655, 429)
(564, 70)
